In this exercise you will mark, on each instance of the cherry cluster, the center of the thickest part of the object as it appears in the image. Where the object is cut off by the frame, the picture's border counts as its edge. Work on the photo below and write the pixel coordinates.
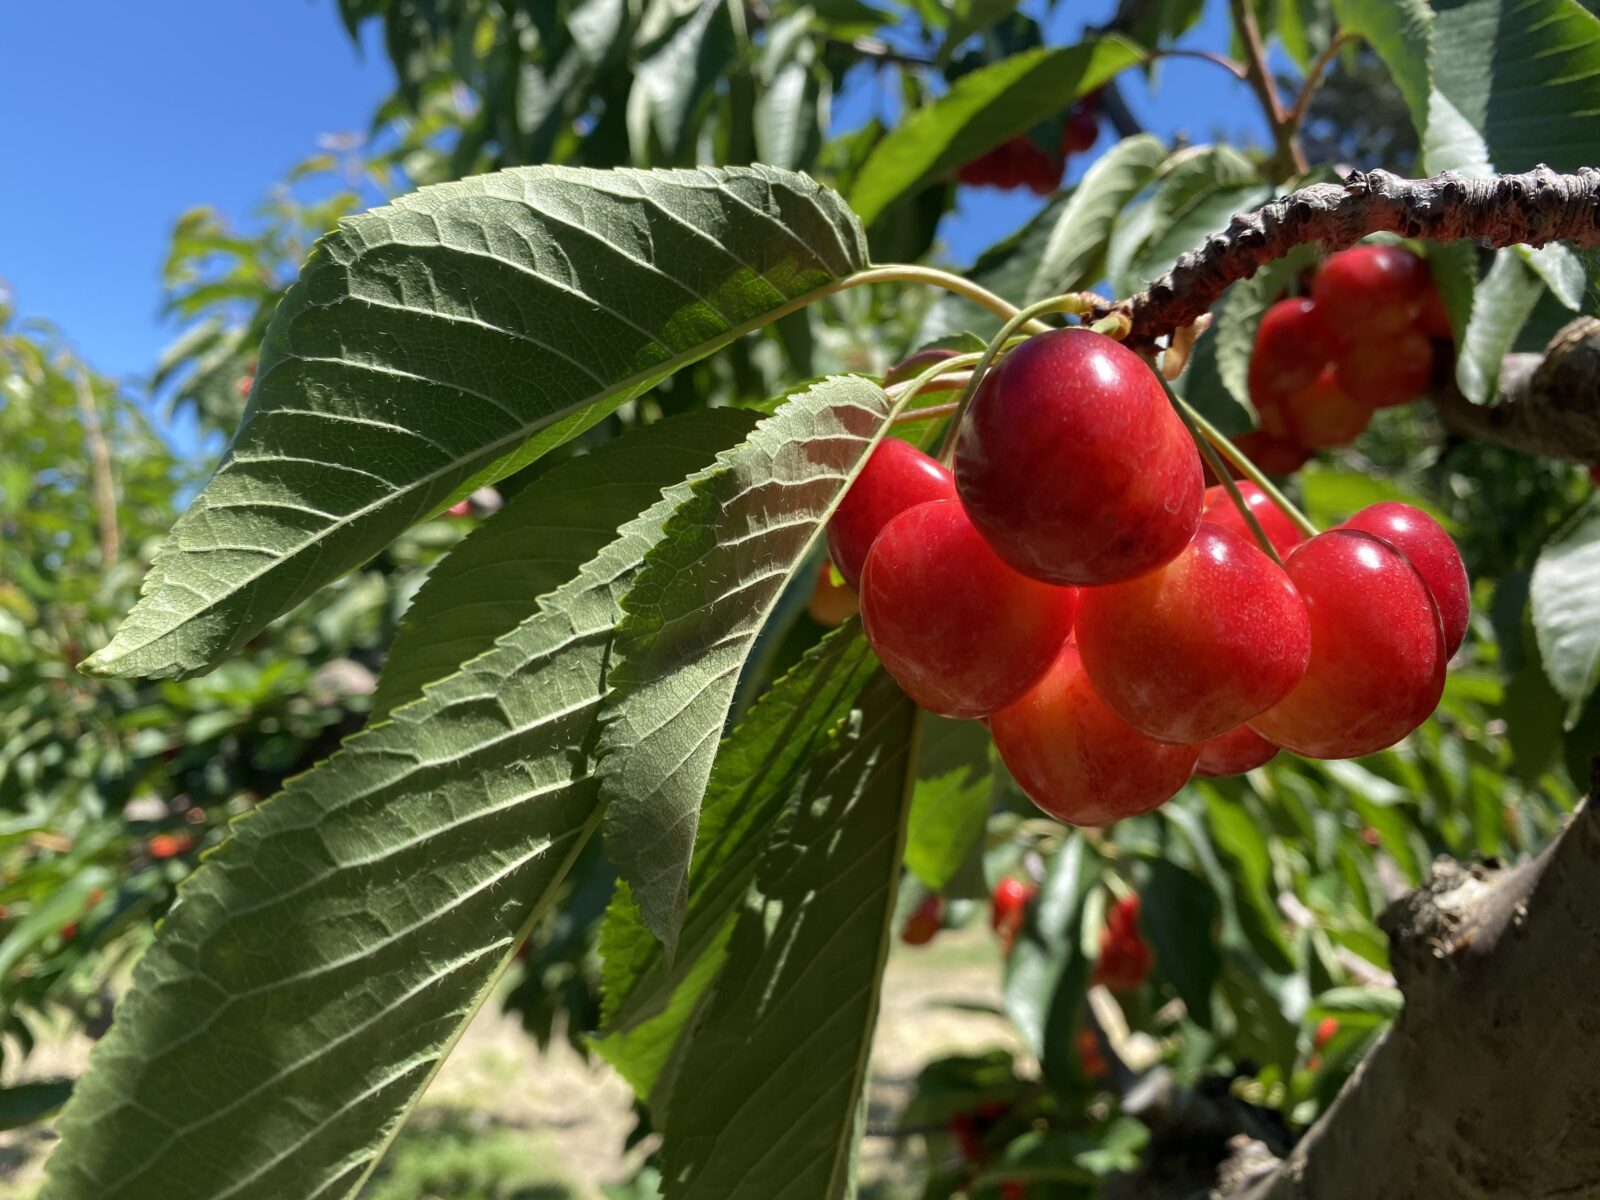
(1072, 584)
(1125, 957)
(1364, 339)
(1023, 162)
(975, 1136)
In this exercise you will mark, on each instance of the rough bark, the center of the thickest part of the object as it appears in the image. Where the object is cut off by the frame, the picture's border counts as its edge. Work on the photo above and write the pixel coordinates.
(1488, 1085)
(1549, 403)
(1532, 208)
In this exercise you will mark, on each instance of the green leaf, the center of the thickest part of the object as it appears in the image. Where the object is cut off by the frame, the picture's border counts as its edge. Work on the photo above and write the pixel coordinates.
(24, 1104)
(1401, 31)
(1377, 1004)
(1177, 912)
(1074, 257)
(787, 131)
(1566, 583)
(955, 782)
(1047, 973)
(672, 80)
(332, 950)
(1524, 74)
(968, 17)
(1500, 307)
(773, 1095)
(981, 110)
(492, 581)
(769, 763)
(1196, 198)
(693, 617)
(451, 338)
(1561, 269)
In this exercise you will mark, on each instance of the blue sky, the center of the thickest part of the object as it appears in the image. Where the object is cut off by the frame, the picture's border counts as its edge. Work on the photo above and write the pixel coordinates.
(110, 134)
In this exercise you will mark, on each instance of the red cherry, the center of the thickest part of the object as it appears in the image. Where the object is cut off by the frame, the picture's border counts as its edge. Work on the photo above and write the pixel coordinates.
(1292, 346)
(461, 508)
(1199, 646)
(1078, 760)
(1431, 551)
(1434, 319)
(1371, 291)
(1123, 919)
(924, 923)
(1324, 415)
(1074, 466)
(1013, 1189)
(169, 845)
(1090, 1060)
(1081, 131)
(897, 476)
(1377, 650)
(1386, 373)
(1274, 455)
(1326, 1029)
(959, 630)
(1283, 534)
(1008, 906)
(1235, 752)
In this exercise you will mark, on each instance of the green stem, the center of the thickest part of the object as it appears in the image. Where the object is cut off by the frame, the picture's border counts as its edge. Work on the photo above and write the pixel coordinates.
(1069, 303)
(1241, 460)
(1220, 469)
(907, 273)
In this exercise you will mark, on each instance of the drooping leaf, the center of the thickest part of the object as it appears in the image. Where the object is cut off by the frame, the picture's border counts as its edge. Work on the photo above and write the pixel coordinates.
(1176, 914)
(1401, 31)
(787, 132)
(492, 581)
(694, 614)
(1500, 307)
(955, 787)
(331, 951)
(771, 1097)
(675, 76)
(767, 764)
(450, 338)
(1561, 269)
(1074, 257)
(980, 111)
(1566, 581)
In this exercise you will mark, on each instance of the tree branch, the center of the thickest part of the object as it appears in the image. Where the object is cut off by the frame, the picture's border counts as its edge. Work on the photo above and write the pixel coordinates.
(1485, 1088)
(105, 488)
(1291, 160)
(1535, 207)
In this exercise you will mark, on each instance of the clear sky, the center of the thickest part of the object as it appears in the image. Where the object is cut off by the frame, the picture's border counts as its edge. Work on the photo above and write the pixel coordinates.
(119, 116)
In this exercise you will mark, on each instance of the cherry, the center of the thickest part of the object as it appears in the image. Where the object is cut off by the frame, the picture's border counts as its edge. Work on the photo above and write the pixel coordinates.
(924, 923)
(1320, 415)
(1371, 291)
(1386, 373)
(1283, 534)
(1377, 650)
(897, 476)
(1090, 1060)
(1081, 131)
(461, 508)
(1073, 464)
(959, 630)
(1079, 761)
(1434, 319)
(1292, 345)
(1124, 960)
(832, 602)
(169, 845)
(1235, 752)
(1200, 645)
(1423, 540)
(1274, 455)
(1008, 907)
(1327, 1028)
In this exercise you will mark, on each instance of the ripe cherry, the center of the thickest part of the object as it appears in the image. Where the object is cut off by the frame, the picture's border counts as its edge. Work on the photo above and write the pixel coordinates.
(1081, 130)
(1377, 650)
(1434, 319)
(1073, 464)
(1235, 752)
(1431, 551)
(1371, 291)
(1274, 454)
(1125, 958)
(1200, 645)
(1320, 415)
(924, 923)
(1283, 534)
(959, 630)
(1292, 346)
(1383, 374)
(1327, 1029)
(1008, 907)
(169, 845)
(897, 476)
(1079, 761)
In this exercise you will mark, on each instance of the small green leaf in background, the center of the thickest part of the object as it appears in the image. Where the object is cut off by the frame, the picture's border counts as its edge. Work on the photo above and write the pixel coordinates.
(1177, 913)
(955, 783)
(1566, 581)
(24, 1104)
(1366, 1006)
(774, 1079)
(981, 110)
(1401, 32)
(450, 338)
(492, 580)
(1197, 196)
(672, 79)
(695, 612)
(1500, 307)
(1047, 973)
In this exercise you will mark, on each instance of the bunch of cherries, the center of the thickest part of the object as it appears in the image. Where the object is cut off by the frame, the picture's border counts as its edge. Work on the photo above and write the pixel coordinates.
(1022, 162)
(1073, 585)
(1364, 339)
(1125, 957)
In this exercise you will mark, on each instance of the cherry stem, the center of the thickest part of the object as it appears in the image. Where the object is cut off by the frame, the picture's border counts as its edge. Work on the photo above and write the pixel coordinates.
(1240, 459)
(932, 410)
(908, 273)
(1220, 470)
(1073, 303)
